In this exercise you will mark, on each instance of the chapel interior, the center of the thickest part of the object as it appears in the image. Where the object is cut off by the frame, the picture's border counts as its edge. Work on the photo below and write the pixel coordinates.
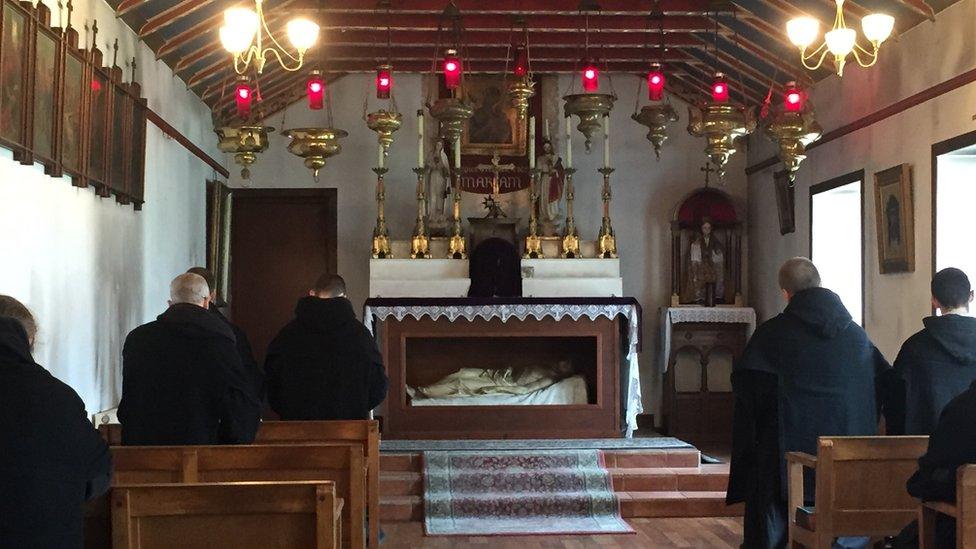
(561, 221)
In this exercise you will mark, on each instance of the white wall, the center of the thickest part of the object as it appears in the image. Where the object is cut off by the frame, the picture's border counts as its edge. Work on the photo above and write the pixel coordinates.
(91, 269)
(644, 191)
(924, 56)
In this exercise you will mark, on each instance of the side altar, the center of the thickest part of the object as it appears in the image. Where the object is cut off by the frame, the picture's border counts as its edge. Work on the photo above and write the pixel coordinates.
(501, 368)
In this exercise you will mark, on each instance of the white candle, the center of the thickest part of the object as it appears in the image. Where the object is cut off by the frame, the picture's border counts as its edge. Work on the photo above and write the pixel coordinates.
(457, 156)
(380, 160)
(606, 141)
(569, 142)
(420, 138)
(531, 142)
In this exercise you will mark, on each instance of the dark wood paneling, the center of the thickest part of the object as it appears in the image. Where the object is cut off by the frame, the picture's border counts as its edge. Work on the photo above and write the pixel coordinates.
(282, 240)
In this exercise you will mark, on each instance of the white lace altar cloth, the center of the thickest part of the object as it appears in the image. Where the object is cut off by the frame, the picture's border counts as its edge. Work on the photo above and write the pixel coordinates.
(633, 403)
(675, 315)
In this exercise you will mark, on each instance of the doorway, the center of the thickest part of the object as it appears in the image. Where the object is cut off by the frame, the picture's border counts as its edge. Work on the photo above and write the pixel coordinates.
(282, 240)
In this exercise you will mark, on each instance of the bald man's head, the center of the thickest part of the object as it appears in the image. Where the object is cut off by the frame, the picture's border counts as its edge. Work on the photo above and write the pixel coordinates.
(796, 275)
(189, 288)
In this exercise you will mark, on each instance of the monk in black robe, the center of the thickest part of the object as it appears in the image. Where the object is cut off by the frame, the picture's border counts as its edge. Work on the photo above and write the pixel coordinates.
(806, 373)
(939, 362)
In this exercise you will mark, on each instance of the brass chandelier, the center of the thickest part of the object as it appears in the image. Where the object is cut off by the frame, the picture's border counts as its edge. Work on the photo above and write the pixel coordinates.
(840, 41)
(243, 35)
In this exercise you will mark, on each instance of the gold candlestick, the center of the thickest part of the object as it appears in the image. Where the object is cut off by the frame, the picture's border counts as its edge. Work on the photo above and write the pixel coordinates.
(420, 241)
(381, 235)
(571, 240)
(607, 240)
(533, 244)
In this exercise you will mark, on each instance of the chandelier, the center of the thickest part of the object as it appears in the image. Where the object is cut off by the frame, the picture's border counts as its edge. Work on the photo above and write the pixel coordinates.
(659, 113)
(840, 41)
(721, 122)
(793, 127)
(244, 32)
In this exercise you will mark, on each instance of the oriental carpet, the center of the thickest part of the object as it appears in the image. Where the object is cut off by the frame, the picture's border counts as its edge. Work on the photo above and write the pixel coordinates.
(518, 493)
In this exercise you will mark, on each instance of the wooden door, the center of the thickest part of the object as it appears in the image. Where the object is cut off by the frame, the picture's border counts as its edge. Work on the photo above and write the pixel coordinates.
(282, 240)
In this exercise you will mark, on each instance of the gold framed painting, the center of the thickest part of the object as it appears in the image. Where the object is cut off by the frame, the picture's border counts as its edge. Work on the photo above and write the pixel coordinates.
(785, 202)
(895, 215)
(495, 126)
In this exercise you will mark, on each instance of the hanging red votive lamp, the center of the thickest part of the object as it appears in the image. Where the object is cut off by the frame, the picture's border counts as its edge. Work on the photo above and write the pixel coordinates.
(452, 69)
(315, 90)
(655, 83)
(521, 67)
(794, 99)
(720, 89)
(243, 95)
(591, 77)
(384, 81)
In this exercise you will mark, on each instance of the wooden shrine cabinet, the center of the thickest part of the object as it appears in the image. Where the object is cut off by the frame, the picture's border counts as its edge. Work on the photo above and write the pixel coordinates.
(698, 398)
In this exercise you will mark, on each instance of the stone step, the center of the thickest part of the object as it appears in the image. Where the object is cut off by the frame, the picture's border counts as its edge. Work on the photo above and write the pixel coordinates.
(707, 478)
(401, 508)
(401, 483)
(400, 462)
(681, 457)
(675, 504)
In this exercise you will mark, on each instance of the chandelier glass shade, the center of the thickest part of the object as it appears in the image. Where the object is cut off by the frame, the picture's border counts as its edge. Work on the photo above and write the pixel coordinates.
(840, 41)
(245, 31)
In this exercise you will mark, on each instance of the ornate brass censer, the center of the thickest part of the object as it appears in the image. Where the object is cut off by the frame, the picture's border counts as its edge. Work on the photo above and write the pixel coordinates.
(384, 123)
(245, 142)
(656, 117)
(590, 108)
(793, 130)
(720, 124)
(315, 145)
(451, 113)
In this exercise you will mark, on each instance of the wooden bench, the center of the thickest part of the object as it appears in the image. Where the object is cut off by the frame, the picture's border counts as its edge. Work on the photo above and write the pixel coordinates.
(242, 515)
(964, 512)
(860, 488)
(365, 432)
(342, 464)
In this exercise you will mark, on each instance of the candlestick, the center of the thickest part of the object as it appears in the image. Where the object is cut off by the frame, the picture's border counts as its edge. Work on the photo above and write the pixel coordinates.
(531, 142)
(381, 235)
(457, 155)
(569, 142)
(606, 239)
(420, 240)
(456, 247)
(606, 141)
(380, 157)
(420, 138)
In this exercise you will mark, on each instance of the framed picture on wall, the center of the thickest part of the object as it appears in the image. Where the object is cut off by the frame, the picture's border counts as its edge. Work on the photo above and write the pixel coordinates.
(98, 130)
(895, 215)
(73, 119)
(495, 126)
(785, 202)
(120, 142)
(14, 75)
(46, 96)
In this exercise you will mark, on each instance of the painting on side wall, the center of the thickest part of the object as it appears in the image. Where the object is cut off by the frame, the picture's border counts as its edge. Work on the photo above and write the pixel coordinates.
(895, 209)
(13, 73)
(494, 126)
(46, 81)
(785, 202)
(71, 128)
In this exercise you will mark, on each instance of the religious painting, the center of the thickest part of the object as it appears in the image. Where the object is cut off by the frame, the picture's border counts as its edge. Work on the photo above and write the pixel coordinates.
(785, 202)
(494, 126)
(219, 202)
(71, 128)
(98, 125)
(13, 64)
(119, 149)
(45, 96)
(136, 166)
(895, 215)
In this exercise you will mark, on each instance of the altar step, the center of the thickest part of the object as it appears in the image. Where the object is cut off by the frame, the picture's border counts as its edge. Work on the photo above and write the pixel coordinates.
(657, 483)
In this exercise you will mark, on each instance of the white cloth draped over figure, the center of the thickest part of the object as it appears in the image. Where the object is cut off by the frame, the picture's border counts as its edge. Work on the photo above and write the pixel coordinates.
(473, 382)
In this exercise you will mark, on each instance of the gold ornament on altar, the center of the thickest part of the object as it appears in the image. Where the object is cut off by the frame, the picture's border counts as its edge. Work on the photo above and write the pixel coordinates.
(245, 142)
(792, 127)
(721, 123)
(384, 123)
(656, 117)
(590, 108)
(315, 145)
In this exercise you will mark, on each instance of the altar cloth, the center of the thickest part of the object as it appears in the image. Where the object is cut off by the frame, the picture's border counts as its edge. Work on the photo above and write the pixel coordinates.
(569, 391)
(378, 309)
(676, 315)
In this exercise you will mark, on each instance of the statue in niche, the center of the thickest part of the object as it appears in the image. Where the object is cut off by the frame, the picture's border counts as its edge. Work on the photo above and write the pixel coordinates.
(438, 181)
(551, 176)
(705, 270)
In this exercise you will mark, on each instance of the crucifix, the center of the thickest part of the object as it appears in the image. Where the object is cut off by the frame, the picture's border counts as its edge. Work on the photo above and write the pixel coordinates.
(491, 202)
(707, 168)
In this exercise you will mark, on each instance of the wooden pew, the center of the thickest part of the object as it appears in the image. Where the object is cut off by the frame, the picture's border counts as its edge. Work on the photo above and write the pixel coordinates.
(295, 515)
(365, 432)
(964, 512)
(860, 488)
(341, 463)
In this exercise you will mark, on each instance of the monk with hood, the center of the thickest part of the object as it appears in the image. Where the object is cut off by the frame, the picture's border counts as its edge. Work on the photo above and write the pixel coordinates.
(808, 372)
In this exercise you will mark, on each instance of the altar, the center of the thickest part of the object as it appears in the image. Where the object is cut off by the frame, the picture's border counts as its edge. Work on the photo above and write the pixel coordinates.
(595, 340)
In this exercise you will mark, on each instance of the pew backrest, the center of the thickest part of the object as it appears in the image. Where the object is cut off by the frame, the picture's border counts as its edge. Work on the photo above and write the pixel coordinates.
(241, 515)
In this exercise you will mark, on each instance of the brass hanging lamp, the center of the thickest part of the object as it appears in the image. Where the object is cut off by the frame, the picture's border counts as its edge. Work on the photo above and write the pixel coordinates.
(657, 115)
(793, 127)
(521, 87)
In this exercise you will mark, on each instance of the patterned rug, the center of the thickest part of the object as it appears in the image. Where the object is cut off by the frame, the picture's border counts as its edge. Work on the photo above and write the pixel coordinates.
(469, 493)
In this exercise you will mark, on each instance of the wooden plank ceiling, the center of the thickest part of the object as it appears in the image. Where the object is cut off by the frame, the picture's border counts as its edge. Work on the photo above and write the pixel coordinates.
(746, 39)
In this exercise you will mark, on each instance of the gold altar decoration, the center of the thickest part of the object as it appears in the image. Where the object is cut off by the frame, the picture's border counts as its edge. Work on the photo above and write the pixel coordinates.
(656, 118)
(590, 108)
(720, 123)
(792, 131)
(606, 240)
(381, 234)
(571, 239)
(520, 91)
(533, 242)
(245, 142)
(420, 240)
(384, 123)
(315, 145)
(451, 114)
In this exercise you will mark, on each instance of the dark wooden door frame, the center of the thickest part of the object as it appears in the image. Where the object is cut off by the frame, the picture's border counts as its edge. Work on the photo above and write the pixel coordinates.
(830, 184)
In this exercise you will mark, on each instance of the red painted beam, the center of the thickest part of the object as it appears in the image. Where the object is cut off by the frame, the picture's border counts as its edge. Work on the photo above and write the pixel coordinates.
(170, 16)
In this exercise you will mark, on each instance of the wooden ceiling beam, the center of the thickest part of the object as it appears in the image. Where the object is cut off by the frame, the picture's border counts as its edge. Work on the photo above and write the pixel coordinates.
(920, 7)
(171, 15)
(509, 7)
(125, 6)
(537, 24)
